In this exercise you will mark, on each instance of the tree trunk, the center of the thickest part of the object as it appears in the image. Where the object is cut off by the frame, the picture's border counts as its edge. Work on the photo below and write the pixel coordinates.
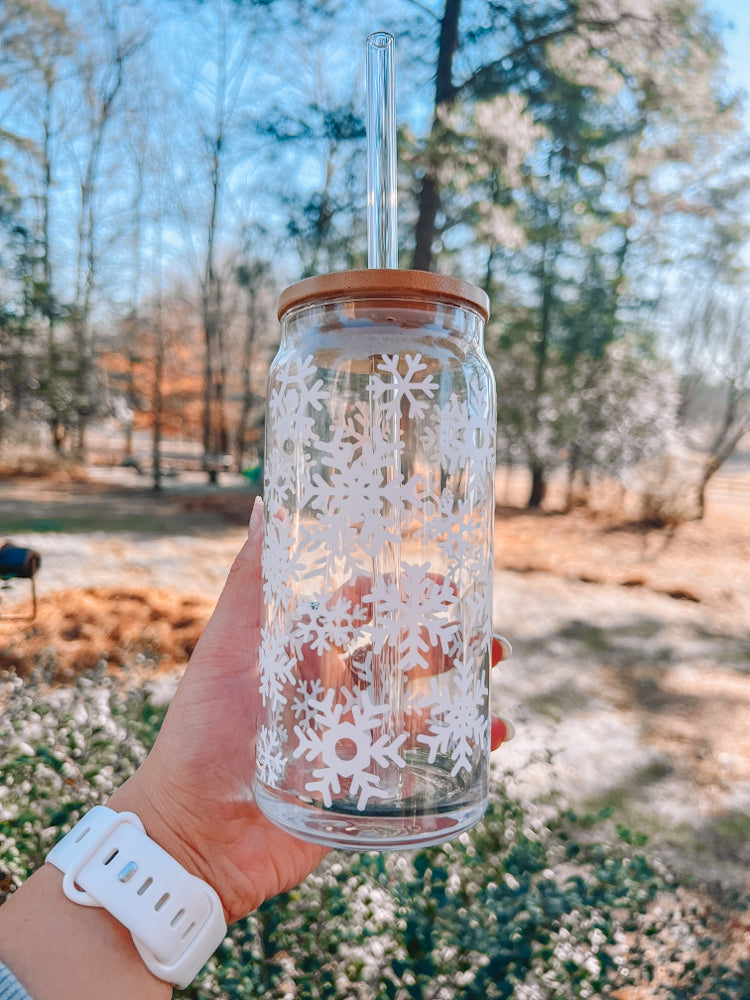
(536, 496)
(212, 303)
(445, 91)
(426, 227)
(248, 396)
(157, 402)
(538, 486)
(573, 458)
(723, 445)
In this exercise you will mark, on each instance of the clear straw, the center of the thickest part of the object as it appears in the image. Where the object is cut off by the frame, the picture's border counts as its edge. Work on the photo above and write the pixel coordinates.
(382, 248)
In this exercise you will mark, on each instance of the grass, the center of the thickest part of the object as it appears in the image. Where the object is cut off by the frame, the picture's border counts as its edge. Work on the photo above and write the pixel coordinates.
(99, 520)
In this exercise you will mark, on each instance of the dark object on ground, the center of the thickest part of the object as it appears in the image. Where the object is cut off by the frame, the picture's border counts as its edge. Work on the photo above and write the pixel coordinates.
(17, 563)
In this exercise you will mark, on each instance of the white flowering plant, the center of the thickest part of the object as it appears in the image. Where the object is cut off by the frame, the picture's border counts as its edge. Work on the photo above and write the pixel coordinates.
(529, 905)
(63, 750)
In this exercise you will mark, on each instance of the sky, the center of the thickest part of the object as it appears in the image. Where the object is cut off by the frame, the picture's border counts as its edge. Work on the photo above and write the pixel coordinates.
(734, 20)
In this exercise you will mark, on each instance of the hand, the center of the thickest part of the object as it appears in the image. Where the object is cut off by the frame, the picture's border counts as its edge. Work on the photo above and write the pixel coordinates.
(194, 792)
(501, 730)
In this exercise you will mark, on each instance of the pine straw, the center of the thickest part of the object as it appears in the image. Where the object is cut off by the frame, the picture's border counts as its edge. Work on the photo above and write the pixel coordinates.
(704, 562)
(123, 628)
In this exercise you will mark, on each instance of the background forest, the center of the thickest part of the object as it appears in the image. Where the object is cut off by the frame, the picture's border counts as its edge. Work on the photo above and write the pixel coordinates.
(166, 167)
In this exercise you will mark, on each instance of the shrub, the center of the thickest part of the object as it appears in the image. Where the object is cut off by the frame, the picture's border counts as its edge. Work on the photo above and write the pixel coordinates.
(528, 905)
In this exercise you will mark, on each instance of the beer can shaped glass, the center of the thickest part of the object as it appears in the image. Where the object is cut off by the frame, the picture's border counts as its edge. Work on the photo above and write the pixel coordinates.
(377, 562)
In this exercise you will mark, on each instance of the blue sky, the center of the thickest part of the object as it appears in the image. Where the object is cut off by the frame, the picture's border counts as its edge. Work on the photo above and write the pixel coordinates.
(734, 18)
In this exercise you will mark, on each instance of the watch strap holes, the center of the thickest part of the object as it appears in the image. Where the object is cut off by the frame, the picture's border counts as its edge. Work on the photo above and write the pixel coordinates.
(112, 855)
(186, 933)
(145, 886)
(160, 902)
(177, 918)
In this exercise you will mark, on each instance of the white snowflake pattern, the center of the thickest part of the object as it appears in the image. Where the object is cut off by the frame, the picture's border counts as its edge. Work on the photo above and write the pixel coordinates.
(403, 385)
(361, 665)
(276, 667)
(322, 621)
(306, 705)
(343, 466)
(459, 437)
(270, 757)
(286, 470)
(372, 439)
(458, 723)
(455, 525)
(282, 561)
(477, 605)
(295, 393)
(293, 427)
(412, 614)
(347, 749)
(358, 503)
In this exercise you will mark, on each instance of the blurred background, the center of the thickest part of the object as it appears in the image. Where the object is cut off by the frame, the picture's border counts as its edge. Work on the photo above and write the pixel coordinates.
(168, 166)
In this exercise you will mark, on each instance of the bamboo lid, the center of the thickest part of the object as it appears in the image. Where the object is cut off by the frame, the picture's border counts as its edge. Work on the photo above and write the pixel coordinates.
(385, 284)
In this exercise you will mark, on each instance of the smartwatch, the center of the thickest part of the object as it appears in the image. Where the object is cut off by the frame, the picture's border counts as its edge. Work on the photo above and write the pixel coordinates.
(176, 919)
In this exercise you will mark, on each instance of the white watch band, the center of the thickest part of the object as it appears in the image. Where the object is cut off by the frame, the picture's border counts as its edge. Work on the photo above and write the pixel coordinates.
(176, 920)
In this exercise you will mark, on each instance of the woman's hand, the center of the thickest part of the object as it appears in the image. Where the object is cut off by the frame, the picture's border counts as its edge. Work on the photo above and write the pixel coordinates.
(194, 792)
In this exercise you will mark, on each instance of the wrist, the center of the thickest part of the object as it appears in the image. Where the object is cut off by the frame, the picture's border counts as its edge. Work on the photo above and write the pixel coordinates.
(162, 824)
(87, 953)
(176, 919)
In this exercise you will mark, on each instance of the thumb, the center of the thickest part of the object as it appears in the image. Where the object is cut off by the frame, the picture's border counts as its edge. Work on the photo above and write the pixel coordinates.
(239, 610)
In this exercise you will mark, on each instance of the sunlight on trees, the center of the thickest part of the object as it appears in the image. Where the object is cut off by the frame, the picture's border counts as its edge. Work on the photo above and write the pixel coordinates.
(164, 171)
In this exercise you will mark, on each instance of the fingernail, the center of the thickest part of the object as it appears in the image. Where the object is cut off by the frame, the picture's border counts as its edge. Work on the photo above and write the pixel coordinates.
(501, 731)
(501, 649)
(510, 730)
(256, 517)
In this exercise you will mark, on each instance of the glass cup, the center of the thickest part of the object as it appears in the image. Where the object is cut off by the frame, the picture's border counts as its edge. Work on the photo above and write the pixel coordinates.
(377, 561)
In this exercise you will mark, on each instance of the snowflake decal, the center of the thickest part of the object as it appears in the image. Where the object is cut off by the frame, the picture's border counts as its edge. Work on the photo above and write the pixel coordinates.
(458, 723)
(412, 614)
(276, 667)
(456, 527)
(307, 703)
(374, 555)
(347, 749)
(323, 622)
(269, 757)
(460, 437)
(292, 397)
(359, 499)
(281, 561)
(477, 607)
(403, 385)
(369, 430)
(361, 665)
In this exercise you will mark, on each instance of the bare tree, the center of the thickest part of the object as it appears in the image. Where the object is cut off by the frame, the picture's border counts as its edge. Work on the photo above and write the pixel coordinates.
(101, 71)
(37, 51)
(223, 36)
(254, 277)
(715, 359)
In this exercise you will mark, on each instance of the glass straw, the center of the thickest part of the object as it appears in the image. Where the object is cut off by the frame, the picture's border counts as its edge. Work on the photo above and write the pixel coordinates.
(382, 248)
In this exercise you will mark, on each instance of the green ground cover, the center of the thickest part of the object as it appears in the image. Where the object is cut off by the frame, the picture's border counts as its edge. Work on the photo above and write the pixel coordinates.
(534, 903)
